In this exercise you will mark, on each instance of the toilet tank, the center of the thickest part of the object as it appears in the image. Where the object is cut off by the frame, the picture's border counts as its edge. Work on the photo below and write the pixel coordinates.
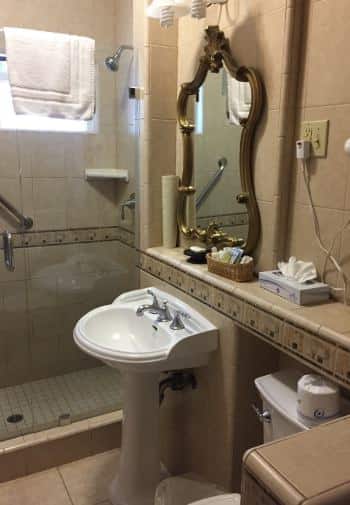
(278, 392)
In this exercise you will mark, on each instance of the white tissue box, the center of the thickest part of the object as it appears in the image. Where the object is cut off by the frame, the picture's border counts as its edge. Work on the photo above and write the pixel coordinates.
(309, 293)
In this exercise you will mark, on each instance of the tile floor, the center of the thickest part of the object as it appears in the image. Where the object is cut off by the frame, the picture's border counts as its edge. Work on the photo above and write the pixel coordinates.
(83, 482)
(78, 395)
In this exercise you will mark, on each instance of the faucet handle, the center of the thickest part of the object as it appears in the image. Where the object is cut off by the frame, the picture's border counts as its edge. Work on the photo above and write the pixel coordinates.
(177, 322)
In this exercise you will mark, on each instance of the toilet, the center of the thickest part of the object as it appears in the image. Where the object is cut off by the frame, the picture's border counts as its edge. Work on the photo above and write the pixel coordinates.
(278, 392)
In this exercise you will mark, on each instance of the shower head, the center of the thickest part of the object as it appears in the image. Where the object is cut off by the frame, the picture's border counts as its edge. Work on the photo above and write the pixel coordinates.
(112, 62)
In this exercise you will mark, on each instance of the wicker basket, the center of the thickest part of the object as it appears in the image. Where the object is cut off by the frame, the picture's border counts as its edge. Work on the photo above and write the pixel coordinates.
(240, 272)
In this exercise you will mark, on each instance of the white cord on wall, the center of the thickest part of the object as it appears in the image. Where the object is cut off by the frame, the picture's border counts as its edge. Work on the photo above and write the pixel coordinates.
(303, 154)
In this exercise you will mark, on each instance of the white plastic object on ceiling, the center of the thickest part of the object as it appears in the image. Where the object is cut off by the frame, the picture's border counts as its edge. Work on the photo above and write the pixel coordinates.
(168, 10)
(198, 9)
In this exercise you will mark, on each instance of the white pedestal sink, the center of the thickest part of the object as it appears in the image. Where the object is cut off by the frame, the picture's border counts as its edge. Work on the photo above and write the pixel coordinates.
(142, 348)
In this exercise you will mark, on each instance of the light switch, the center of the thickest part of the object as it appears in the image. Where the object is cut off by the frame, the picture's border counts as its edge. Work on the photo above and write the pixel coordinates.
(316, 132)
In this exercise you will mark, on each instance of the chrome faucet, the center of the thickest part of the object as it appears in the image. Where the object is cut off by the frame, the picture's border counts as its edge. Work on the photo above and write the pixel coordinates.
(130, 203)
(154, 308)
(164, 315)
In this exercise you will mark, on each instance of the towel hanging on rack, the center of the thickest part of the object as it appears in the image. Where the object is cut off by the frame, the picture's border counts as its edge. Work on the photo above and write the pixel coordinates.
(51, 74)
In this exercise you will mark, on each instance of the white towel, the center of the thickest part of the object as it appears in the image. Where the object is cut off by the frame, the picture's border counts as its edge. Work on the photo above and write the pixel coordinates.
(239, 100)
(51, 74)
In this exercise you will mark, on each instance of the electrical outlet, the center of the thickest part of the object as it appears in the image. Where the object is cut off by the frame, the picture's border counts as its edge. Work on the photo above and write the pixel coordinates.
(316, 132)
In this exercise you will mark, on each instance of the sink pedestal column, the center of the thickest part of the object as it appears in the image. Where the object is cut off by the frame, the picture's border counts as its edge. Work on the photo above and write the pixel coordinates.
(139, 469)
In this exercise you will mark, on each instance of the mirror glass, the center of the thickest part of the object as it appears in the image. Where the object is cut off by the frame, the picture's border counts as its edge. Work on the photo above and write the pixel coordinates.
(222, 105)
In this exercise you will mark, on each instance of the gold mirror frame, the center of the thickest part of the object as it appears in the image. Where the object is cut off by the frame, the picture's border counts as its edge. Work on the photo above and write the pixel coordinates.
(216, 53)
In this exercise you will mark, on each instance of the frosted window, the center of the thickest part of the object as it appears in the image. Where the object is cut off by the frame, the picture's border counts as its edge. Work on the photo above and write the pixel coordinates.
(10, 121)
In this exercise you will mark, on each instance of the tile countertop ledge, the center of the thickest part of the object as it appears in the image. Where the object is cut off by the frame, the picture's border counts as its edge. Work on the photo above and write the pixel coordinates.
(330, 320)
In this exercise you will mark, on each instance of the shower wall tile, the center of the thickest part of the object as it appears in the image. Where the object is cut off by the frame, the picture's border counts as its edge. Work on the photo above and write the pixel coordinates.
(102, 148)
(9, 162)
(59, 155)
(123, 22)
(82, 204)
(11, 190)
(43, 174)
(43, 355)
(42, 292)
(45, 322)
(20, 272)
(39, 314)
(49, 203)
(55, 260)
(42, 155)
(13, 294)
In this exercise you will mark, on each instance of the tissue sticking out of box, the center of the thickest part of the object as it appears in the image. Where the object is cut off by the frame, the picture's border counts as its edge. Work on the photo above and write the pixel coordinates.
(299, 271)
(296, 282)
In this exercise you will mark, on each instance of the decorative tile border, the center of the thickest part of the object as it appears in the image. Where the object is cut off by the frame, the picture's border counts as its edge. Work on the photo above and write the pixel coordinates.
(236, 219)
(314, 350)
(72, 236)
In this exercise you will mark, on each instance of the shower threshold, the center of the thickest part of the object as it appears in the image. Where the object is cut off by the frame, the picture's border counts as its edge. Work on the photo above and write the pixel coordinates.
(58, 401)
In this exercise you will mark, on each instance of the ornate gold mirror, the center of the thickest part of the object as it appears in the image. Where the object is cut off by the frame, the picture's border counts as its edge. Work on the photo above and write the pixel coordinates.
(218, 113)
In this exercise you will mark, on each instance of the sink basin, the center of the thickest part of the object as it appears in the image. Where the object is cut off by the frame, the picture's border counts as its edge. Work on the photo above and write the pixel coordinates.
(119, 337)
(141, 347)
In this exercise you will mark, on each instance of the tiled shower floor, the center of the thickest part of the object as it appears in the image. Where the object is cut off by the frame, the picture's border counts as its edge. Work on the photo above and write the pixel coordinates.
(75, 396)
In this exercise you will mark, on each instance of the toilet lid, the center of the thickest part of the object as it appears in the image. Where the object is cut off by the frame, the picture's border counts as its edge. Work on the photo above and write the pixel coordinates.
(222, 499)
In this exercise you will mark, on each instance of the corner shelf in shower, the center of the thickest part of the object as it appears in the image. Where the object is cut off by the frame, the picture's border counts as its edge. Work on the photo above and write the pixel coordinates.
(107, 173)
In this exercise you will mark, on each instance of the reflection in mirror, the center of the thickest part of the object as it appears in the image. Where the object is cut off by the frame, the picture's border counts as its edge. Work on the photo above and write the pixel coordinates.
(223, 105)
(218, 112)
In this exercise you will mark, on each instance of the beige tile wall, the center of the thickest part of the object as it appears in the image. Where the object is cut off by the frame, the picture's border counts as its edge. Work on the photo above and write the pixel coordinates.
(207, 430)
(262, 34)
(157, 58)
(271, 37)
(290, 42)
(323, 94)
(43, 174)
(52, 288)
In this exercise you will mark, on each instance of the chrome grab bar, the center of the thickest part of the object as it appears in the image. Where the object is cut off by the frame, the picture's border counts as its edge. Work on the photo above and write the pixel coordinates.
(24, 221)
(212, 183)
(8, 251)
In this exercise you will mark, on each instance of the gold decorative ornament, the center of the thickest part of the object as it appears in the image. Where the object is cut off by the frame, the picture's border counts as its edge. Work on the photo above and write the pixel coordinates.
(217, 53)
